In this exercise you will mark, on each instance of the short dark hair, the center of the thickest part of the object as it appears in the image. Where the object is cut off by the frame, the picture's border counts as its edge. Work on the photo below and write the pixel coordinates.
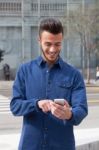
(51, 25)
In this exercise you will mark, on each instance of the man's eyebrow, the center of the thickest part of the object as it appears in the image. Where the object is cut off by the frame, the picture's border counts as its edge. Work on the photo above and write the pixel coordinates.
(55, 43)
(52, 42)
(48, 42)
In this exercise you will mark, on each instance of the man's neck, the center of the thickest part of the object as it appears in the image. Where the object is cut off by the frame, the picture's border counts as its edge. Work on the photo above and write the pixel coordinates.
(50, 64)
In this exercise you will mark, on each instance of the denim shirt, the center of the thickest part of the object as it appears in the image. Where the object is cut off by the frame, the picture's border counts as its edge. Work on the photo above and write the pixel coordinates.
(36, 81)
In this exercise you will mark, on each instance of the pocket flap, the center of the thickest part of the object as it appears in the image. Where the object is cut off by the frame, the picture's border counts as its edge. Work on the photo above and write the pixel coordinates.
(64, 84)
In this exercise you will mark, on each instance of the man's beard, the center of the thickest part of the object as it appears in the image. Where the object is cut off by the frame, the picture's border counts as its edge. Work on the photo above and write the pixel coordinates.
(46, 59)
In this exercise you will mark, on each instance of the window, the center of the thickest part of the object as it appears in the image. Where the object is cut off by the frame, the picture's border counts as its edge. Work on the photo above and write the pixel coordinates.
(34, 7)
(10, 7)
(50, 6)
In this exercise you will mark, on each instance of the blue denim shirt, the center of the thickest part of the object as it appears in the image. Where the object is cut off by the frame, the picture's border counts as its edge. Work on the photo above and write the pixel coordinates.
(35, 81)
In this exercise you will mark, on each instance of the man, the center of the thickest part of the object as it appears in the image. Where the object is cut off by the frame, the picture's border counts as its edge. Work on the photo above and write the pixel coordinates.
(6, 70)
(46, 124)
(97, 73)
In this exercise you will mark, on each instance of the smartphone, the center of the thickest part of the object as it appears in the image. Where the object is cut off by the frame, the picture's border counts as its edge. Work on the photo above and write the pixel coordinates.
(59, 101)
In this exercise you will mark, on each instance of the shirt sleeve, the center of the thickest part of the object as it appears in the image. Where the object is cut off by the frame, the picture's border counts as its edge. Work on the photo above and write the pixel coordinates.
(19, 105)
(78, 100)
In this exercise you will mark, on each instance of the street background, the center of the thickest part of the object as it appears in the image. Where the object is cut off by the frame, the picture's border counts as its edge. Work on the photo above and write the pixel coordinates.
(10, 126)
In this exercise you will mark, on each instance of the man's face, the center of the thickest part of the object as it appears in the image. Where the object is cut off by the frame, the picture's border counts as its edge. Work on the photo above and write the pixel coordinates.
(51, 46)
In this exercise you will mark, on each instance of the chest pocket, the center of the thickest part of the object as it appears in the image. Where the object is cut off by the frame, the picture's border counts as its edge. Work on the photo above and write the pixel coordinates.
(63, 89)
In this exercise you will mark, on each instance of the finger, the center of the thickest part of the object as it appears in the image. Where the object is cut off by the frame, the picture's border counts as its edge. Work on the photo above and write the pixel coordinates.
(58, 115)
(66, 104)
(45, 108)
(57, 111)
(57, 106)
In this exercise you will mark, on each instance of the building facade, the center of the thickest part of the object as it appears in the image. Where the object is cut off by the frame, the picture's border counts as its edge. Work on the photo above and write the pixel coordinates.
(19, 21)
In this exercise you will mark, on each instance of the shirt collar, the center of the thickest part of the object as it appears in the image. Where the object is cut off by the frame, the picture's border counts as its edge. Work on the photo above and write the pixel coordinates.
(58, 63)
(40, 61)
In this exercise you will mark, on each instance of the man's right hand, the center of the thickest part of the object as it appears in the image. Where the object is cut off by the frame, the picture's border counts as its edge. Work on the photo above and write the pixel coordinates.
(44, 105)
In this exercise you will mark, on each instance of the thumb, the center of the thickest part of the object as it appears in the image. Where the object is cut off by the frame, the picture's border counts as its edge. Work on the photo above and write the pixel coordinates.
(66, 104)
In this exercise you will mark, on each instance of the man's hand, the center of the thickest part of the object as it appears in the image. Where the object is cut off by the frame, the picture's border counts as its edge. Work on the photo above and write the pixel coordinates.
(44, 105)
(61, 112)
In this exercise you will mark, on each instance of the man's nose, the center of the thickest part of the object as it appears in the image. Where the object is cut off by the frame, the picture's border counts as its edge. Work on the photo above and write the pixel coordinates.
(52, 48)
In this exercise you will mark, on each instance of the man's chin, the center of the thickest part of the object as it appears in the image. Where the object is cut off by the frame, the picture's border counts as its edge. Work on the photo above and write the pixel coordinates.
(52, 61)
(52, 58)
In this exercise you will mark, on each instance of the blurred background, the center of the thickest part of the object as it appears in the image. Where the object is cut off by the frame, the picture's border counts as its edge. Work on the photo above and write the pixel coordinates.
(19, 21)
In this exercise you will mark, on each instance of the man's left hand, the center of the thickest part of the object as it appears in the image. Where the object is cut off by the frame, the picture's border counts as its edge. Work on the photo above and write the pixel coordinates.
(61, 112)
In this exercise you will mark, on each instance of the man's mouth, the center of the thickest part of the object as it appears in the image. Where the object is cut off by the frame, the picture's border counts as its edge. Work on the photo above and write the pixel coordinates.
(52, 54)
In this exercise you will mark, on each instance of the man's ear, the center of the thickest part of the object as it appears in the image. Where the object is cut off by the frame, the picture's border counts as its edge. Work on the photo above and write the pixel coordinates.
(39, 39)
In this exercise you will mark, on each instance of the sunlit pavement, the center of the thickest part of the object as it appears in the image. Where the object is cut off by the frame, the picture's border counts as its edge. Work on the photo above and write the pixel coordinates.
(83, 136)
(9, 142)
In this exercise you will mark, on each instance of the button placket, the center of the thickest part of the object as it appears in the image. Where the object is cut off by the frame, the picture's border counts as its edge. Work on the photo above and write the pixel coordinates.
(44, 142)
(48, 81)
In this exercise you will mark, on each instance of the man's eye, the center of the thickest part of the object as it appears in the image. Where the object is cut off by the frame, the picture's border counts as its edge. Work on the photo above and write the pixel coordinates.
(48, 44)
(58, 44)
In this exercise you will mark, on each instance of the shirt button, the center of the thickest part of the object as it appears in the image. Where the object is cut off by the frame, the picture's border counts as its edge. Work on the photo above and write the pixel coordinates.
(49, 82)
(46, 129)
(44, 143)
(47, 71)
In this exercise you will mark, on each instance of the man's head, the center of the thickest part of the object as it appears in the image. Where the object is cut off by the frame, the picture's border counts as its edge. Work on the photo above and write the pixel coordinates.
(51, 25)
(50, 38)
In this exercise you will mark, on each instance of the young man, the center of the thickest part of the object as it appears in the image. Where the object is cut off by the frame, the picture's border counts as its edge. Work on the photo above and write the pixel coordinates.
(48, 125)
